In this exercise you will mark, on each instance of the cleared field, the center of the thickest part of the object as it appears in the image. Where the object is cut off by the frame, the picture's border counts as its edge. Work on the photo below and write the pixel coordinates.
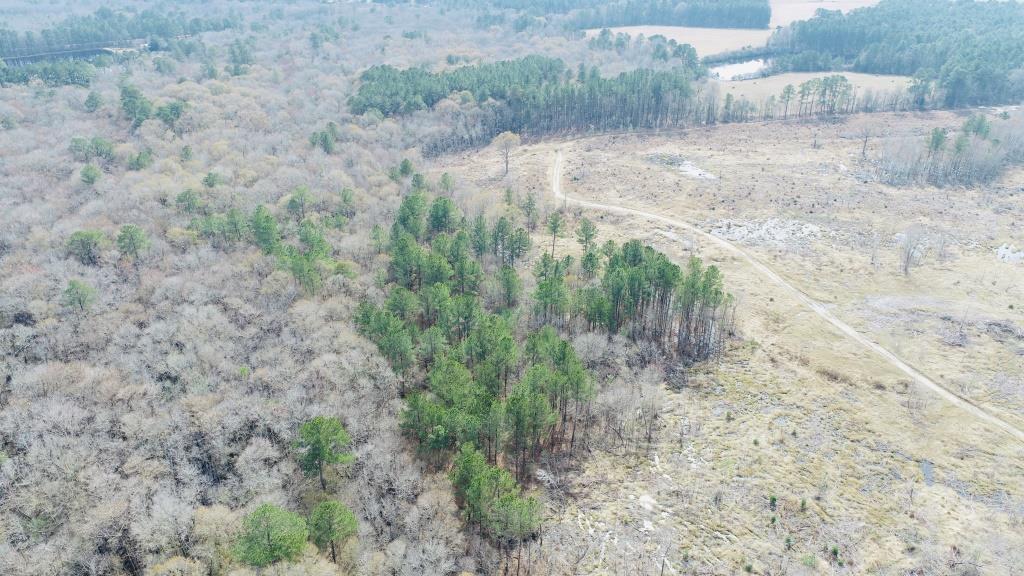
(803, 451)
(818, 216)
(758, 89)
(705, 40)
(788, 11)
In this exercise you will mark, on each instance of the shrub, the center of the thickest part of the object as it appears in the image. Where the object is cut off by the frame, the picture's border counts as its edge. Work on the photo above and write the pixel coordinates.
(79, 296)
(85, 246)
(90, 174)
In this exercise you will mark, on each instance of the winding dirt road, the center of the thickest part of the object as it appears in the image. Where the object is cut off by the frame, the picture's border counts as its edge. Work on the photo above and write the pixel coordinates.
(813, 305)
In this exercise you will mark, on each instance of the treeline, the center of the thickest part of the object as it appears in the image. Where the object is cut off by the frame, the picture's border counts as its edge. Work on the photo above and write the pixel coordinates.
(597, 14)
(696, 13)
(392, 91)
(87, 34)
(536, 96)
(825, 96)
(55, 73)
(976, 154)
(968, 52)
(533, 95)
(486, 400)
(664, 49)
(103, 26)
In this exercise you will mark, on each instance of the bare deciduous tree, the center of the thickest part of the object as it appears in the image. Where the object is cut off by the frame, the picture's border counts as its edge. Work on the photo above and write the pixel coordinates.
(912, 244)
(865, 134)
(506, 142)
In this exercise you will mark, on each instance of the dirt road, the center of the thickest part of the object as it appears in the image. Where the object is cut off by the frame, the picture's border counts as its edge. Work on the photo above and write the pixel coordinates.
(813, 305)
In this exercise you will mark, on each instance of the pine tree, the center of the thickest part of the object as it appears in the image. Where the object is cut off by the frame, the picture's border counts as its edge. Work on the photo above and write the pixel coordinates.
(479, 238)
(510, 285)
(555, 224)
(264, 229)
(90, 174)
(271, 534)
(132, 241)
(135, 106)
(322, 441)
(79, 296)
(444, 215)
(530, 211)
(330, 523)
(586, 233)
(298, 202)
(85, 246)
(93, 101)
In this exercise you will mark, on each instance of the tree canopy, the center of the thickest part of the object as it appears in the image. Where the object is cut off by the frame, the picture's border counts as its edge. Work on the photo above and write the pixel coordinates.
(106, 26)
(494, 400)
(598, 13)
(533, 95)
(969, 52)
(322, 441)
(330, 523)
(271, 534)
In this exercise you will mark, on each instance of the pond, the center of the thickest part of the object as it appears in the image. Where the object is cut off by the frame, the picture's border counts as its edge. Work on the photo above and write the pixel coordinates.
(728, 72)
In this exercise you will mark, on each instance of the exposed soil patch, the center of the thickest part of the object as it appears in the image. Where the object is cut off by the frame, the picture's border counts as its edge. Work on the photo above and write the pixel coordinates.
(681, 164)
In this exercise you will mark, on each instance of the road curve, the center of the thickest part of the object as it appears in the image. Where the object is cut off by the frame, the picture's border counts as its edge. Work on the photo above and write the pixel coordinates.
(813, 305)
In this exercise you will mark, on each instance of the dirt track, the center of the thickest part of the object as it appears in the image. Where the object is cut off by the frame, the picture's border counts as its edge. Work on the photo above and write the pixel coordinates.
(814, 306)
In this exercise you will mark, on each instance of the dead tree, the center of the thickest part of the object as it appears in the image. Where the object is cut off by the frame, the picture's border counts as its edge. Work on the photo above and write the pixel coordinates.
(911, 248)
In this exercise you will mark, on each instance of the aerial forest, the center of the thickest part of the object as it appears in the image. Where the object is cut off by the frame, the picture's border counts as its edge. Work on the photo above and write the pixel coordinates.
(579, 14)
(492, 385)
(982, 63)
(291, 288)
(107, 26)
(534, 95)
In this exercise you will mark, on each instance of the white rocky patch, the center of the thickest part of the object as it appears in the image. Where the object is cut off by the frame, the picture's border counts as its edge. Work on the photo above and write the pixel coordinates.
(1009, 253)
(775, 232)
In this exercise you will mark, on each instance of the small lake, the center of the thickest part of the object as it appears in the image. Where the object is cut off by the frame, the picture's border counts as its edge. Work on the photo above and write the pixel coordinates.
(727, 72)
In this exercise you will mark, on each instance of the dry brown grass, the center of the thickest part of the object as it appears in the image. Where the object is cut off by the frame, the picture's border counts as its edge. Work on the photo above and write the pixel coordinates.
(895, 478)
(757, 90)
